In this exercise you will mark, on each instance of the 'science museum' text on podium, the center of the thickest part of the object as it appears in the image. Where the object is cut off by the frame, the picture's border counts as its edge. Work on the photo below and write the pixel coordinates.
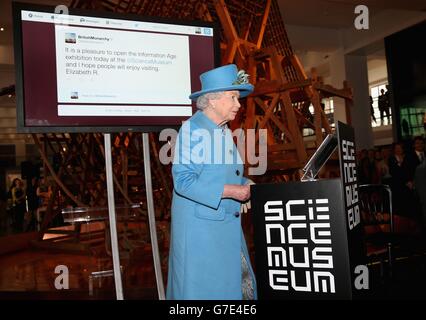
(308, 235)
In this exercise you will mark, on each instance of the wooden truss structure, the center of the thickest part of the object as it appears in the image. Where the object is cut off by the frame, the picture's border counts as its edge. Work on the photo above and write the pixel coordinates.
(253, 36)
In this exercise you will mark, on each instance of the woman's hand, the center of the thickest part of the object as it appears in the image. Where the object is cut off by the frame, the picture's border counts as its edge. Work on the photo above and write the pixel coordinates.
(246, 206)
(236, 192)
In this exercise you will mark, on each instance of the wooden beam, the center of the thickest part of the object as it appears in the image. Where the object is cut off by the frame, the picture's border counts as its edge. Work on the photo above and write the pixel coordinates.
(246, 30)
(248, 44)
(53, 174)
(298, 67)
(274, 118)
(317, 117)
(269, 111)
(231, 50)
(263, 25)
(264, 121)
(203, 12)
(272, 86)
(270, 134)
(289, 112)
(116, 182)
(264, 53)
(281, 147)
(294, 128)
(226, 21)
(345, 93)
(303, 118)
(251, 107)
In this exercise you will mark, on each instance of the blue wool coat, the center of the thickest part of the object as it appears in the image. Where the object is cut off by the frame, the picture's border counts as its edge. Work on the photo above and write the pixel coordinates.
(206, 235)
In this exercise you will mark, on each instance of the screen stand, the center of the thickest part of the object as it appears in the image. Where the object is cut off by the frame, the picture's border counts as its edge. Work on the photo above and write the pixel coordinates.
(112, 218)
(151, 216)
(308, 176)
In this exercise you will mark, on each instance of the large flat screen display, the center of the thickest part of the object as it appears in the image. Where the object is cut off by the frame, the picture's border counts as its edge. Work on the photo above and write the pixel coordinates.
(89, 71)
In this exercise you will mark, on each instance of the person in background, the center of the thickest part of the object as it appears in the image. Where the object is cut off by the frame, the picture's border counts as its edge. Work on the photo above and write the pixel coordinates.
(208, 256)
(362, 158)
(372, 110)
(382, 168)
(33, 203)
(43, 192)
(415, 158)
(401, 182)
(384, 107)
(19, 204)
(368, 167)
(419, 150)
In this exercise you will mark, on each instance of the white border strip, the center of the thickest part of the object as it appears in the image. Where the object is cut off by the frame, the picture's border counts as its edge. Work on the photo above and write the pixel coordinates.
(123, 111)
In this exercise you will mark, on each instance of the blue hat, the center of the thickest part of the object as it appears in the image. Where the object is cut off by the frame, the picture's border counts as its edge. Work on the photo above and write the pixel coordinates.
(225, 78)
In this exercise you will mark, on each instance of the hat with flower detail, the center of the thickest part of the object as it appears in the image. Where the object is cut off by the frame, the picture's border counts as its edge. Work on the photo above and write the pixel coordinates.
(225, 78)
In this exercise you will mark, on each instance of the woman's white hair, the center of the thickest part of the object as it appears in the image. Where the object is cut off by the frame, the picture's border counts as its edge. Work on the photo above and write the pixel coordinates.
(203, 101)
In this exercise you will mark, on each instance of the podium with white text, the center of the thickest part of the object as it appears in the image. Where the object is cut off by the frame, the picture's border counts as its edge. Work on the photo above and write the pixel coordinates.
(308, 235)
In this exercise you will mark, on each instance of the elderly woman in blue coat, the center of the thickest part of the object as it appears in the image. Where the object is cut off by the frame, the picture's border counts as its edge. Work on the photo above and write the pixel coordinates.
(208, 254)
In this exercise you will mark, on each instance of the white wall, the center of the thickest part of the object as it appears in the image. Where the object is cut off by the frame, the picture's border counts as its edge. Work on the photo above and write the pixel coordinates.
(377, 70)
(357, 75)
(313, 39)
(381, 25)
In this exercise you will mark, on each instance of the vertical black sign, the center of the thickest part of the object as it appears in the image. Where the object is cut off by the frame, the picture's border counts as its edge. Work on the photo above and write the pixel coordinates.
(348, 174)
(301, 248)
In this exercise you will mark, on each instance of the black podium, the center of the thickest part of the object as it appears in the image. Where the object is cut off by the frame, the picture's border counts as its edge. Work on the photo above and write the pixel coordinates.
(308, 236)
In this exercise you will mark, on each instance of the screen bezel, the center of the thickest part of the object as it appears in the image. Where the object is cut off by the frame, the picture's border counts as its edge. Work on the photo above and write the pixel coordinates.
(17, 7)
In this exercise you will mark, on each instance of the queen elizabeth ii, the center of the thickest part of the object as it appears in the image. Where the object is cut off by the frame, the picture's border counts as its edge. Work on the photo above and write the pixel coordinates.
(208, 256)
